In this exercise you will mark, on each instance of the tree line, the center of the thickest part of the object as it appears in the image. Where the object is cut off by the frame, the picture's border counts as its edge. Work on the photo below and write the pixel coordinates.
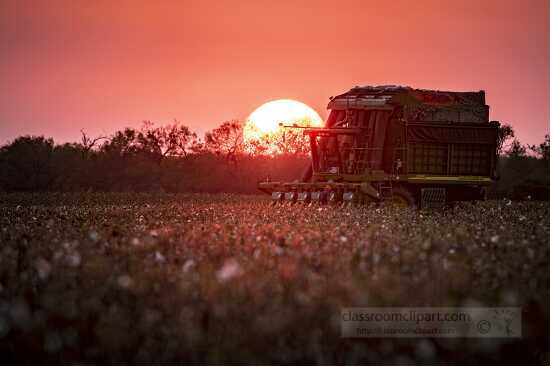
(523, 170)
(172, 158)
(169, 158)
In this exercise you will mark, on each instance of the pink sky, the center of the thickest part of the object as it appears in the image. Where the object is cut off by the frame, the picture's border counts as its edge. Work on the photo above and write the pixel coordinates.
(104, 65)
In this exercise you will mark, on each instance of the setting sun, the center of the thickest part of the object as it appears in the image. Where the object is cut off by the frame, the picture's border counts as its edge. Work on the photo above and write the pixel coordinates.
(265, 120)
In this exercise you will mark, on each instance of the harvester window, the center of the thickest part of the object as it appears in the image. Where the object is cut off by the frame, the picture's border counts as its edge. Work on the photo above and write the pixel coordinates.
(347, 118)
(327, 152)
(339, 153)
(335, 116)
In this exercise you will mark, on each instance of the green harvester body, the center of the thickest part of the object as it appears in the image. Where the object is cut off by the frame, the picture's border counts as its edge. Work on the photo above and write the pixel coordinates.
(391, 143)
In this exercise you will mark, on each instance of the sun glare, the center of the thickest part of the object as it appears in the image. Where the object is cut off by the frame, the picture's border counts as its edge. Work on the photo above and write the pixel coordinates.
(265, 120)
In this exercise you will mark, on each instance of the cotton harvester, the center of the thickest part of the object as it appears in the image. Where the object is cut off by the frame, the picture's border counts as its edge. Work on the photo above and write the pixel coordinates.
(399, 145)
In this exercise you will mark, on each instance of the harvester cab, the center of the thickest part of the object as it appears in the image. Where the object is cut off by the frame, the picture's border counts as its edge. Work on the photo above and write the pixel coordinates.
(336, 151)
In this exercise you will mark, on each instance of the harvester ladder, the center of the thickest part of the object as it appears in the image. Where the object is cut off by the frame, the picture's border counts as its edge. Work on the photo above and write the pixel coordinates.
(361, 162)
(386, 189)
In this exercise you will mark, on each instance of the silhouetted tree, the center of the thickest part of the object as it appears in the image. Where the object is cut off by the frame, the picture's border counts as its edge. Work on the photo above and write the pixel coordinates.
(174, 140)
(226, 140)
(256, 147)
(71, 167)
(89, 143)
(294, 142)
(516, 150)
(543, 150)
(26, 164)
(505, 134)
(122, 143)
(285, 140)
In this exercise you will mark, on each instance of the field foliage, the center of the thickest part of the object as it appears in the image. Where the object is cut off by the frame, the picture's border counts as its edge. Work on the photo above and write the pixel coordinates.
(225, 279)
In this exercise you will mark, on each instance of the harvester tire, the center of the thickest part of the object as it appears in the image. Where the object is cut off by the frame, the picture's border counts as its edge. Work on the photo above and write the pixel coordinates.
(402, 197)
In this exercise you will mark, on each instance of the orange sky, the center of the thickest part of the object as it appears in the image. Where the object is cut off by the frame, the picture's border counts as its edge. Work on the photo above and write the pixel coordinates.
(103, 65)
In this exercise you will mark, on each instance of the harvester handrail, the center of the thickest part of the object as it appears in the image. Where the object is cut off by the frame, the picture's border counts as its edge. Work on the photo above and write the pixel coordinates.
(344, 130)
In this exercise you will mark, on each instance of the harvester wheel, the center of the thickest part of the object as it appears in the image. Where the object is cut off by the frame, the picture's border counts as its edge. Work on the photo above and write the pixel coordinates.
(401, 197)
(367, 200)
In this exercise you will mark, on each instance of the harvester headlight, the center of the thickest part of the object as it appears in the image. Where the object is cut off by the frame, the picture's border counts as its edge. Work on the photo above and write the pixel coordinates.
(303, 196)
(276, 196)
(316, 196)
(290, 196)
(348, 196)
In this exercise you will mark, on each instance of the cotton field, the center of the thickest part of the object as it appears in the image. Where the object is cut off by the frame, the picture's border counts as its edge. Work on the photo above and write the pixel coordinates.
(144, 279)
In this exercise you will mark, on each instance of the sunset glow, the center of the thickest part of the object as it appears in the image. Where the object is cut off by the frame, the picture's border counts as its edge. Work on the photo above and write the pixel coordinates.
(107, 65)
(266, 118)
